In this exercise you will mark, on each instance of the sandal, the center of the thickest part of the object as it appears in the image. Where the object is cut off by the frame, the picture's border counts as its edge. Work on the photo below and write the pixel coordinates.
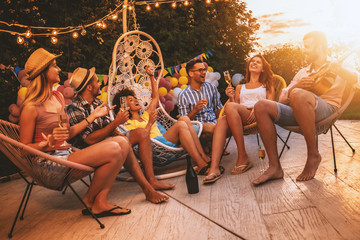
(242, 168)
(203, 171)
(211, 178)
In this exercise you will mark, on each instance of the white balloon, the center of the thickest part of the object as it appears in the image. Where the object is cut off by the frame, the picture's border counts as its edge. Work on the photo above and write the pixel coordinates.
(236, 79)
(176, 92)
(215, 82)
(216, 76)
(207, 77)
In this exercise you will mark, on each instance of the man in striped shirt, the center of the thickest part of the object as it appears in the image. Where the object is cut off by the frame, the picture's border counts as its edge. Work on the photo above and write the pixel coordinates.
(200, 101)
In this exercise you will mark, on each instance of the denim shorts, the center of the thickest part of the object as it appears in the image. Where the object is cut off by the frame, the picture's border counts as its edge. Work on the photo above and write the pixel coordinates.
(46, 163)
(164, 141)
(286, 115)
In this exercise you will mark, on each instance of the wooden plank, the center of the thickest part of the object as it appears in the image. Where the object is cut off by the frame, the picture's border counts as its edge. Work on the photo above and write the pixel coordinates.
(305, 223)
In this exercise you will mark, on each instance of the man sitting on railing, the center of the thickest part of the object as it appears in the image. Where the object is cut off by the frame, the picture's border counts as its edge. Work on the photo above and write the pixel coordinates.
(87, 85)
(299, 106)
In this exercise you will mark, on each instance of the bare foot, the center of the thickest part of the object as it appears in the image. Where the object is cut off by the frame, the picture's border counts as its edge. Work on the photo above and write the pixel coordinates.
(161, 185)
(310, 168)
(269, 174)
(155, 197)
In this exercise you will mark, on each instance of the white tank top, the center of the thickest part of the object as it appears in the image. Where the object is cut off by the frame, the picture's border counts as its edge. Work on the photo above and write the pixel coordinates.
(248, 97)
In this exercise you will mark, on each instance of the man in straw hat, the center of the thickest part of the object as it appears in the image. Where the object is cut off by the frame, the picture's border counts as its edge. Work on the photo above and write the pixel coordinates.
(87, 86)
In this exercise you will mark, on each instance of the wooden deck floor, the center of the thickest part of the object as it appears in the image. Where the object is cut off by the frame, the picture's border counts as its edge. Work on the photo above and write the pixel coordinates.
(327, 207)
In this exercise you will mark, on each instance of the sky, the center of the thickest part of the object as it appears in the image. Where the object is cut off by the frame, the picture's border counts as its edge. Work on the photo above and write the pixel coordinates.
(286, 21)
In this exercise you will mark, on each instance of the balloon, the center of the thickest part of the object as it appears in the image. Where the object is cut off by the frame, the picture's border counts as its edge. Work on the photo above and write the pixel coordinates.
(15, 111)
(183, 80)
(183, 72)
(20, 101)
(22, 92)
(216, 83)
(162, 99)
(176, 75)
(174, 82)
(236, 79)
(165, 83)
(11, 107)
(208, 77)
(168, 97)
(216, 75)
(13, 119)
(162, 91)
(169, 77)
(103, 97)
(183, 86)
(68, 92)
(176, 92)
(21, 74)
(210, 69)
(206, 65)
(171, 91)
(105, 89)
(169, 106)
(60, 88)
(67, 83)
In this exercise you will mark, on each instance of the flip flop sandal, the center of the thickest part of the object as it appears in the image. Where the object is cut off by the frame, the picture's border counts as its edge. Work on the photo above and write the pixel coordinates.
(242, 168)
(211, 178)
(203, 170)
(109, 213)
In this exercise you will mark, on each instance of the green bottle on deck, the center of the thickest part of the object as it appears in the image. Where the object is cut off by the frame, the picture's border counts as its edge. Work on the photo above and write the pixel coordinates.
(191, 178)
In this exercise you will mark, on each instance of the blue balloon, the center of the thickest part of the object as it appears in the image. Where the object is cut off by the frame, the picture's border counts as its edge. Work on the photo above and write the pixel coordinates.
(17, 69)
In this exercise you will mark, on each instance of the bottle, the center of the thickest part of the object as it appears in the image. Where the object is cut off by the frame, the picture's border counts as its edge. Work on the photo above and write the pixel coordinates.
(191, 178)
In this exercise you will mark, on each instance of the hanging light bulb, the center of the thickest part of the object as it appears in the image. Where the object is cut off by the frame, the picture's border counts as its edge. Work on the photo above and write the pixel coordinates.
(103, 25)
(54, 40)
(28, 33)
(99, 24)
(114, 17)
(173, 4)
(186, 3)
(54, 32)
(130, 7)
(148, 8)
(208, 1)
(75, 35)
(83, 31)
(124, 6)
(156, 4)
(20, 40)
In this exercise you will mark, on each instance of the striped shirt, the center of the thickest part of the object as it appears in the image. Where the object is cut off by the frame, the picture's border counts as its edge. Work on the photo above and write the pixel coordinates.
(80, 109)
(188, 98)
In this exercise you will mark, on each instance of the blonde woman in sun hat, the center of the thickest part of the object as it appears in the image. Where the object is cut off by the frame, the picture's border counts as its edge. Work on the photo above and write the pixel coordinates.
(40, 129)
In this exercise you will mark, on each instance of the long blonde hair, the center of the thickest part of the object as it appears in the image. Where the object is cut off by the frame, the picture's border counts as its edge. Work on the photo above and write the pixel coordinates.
(39, 90)
(266, 77)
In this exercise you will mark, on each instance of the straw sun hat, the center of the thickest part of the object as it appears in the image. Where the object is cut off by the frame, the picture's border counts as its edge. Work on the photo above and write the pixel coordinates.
(80, 78)
(37, 62)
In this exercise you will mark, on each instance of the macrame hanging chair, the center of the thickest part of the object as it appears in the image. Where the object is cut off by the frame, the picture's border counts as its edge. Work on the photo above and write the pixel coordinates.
(133, 51)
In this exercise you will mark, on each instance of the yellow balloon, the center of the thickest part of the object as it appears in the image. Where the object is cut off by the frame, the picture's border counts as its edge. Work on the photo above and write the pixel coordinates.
(183, 80)
(183, 86)
(183, 72)
(162, 91)
(22, 92)
(169, 77)
(103, 97)
(103, 89)
(171, 92)
(210, 69)
(174, 82)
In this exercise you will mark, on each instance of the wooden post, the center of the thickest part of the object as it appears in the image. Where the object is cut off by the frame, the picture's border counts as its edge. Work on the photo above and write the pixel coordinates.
(125, 16)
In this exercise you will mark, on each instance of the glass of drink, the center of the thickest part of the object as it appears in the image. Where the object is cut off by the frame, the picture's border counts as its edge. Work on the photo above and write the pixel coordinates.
(61, 125)
(262, 159)
(123, 104)
(227, 77)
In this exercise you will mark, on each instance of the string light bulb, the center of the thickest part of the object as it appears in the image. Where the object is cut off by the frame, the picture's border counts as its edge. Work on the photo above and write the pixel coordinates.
(103, 25)
(173, 4)
(54, 32)
(20, 40)
(186, 3)
(83, 31)
(148, 8)
(75, 35)
(156, 4)
(130, 7)
(28, 33)
(54, 40)
(208, 1)
(99, 24)
(114, 17)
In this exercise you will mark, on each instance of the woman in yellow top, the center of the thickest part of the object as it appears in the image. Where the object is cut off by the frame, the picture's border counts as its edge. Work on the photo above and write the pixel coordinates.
(182, 132)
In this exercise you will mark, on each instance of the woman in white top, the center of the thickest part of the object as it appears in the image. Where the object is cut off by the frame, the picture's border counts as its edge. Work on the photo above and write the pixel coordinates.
(238, 112)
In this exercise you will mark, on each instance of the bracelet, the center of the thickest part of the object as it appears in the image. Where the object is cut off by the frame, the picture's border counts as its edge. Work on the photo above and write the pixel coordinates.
(87, 121)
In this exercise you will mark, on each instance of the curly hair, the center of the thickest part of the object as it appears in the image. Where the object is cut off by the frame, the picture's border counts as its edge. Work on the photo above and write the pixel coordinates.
(266, 77)
(122, 93)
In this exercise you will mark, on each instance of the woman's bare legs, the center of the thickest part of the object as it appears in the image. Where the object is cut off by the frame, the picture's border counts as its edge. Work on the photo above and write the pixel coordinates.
(222, 130)
(180, 132)
(107, 158)
(236, 115)
(195, 137)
